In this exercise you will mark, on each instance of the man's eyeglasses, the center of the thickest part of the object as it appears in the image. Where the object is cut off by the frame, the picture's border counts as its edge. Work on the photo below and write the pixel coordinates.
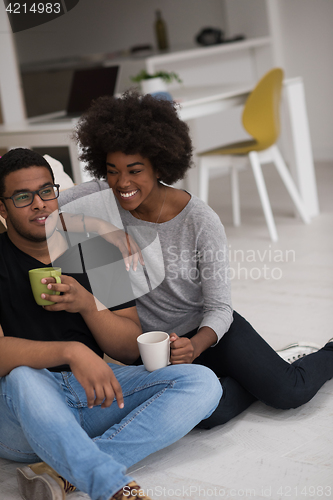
(25, 199)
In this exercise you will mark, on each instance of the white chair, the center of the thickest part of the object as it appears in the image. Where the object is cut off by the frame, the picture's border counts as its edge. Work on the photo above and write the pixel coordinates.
(60, 175)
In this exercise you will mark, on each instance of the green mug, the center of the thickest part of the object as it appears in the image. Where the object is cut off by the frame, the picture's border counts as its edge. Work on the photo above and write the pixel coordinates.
(36, 275)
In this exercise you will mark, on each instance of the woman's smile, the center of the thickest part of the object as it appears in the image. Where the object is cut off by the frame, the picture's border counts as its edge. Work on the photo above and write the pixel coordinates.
(127, 194)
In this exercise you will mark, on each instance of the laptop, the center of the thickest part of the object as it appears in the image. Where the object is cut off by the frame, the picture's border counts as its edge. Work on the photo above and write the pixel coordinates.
(87, 85)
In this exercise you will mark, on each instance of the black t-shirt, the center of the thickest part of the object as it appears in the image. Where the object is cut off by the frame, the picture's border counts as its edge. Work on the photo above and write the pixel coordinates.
(94, 263)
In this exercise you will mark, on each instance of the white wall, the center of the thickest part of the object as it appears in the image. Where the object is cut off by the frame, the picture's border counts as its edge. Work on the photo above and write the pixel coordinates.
(101, 26)
(247, 17)
(96, 26)
(307, 43)
(11, 99)
(304, 47)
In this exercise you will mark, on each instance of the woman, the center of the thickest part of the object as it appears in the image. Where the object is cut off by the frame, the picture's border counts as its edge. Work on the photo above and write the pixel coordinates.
(140, 146)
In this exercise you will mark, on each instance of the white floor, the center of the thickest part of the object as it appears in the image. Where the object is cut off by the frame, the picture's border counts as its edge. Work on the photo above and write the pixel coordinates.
(285, 291)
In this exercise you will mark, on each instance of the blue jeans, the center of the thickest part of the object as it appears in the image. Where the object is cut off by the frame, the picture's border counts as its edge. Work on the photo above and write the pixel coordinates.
(44, 416)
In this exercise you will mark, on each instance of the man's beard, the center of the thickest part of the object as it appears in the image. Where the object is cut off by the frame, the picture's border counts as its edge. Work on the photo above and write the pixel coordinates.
(34, 238)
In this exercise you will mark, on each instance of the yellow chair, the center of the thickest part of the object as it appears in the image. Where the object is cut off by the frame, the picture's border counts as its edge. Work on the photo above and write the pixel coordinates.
(261, 119)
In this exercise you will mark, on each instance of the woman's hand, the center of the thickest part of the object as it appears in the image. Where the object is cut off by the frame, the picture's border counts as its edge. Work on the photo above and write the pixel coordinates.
(181, 350)
(127, 245)
(184, 350)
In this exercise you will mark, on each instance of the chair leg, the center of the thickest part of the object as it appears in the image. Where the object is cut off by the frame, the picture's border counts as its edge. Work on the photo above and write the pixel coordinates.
(203, 179)
(290, 185)
(235, 196)
(259, 178)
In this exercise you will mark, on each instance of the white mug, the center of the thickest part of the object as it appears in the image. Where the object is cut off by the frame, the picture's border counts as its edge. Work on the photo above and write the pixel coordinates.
(154, 350)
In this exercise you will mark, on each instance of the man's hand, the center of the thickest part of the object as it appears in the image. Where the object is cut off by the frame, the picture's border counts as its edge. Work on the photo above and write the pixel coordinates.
(181, 350)
(75, 298)
(96, 377)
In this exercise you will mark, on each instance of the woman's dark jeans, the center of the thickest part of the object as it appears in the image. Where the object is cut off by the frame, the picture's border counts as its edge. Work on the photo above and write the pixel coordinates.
(251, 370)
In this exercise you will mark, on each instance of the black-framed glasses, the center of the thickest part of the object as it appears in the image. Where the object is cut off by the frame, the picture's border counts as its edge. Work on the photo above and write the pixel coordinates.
(26, 198)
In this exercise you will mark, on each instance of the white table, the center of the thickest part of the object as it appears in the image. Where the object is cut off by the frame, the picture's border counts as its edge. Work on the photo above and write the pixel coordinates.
(196, 102)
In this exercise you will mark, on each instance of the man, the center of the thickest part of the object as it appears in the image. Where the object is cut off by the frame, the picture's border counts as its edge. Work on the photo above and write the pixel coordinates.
(56, 391)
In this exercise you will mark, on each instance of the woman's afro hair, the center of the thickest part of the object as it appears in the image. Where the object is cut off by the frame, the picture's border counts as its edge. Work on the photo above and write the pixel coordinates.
(135, 124)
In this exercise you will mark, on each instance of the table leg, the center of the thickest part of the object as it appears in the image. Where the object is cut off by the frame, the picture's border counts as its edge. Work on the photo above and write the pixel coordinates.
(301, 159)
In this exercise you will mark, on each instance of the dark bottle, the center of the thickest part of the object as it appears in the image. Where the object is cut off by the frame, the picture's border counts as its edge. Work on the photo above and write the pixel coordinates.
(161, 32)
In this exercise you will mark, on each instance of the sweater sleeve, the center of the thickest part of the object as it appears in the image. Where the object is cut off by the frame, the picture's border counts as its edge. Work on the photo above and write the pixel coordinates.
(213, 265)
(81, 191)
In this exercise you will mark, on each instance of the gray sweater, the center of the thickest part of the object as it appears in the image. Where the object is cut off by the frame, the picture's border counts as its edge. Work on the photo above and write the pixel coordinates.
(186, 259)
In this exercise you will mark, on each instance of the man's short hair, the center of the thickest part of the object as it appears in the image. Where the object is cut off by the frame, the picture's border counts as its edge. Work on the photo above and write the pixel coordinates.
(18, 158)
